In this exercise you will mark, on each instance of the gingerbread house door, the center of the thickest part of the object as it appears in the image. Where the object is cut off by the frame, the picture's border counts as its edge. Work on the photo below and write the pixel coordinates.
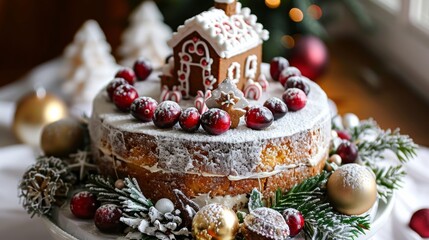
(195, 57)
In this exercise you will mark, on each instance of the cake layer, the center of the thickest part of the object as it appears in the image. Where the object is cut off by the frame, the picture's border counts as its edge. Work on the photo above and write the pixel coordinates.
(291, 149)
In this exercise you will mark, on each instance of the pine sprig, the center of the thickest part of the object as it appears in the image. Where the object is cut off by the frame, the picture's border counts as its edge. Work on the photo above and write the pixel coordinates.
(388, 180)
(132, 198)
(103, 188)
(372, 150)
(322, 221)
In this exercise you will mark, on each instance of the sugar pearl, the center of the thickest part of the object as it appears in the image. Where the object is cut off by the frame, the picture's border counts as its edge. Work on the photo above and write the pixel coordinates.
(335, 159)
(164, 205)
(350, 120)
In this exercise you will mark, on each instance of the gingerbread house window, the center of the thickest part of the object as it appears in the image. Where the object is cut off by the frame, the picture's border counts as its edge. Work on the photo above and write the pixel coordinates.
(234, 72)
(251, 67)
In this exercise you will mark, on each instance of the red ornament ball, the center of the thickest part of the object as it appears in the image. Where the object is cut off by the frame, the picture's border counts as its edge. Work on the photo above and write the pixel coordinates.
(127, 74)
(115, 83)
(277, 65)
(294, 220)
(190, 119)
(123, 97)
(215, 121)
(142, 69)
(310, 56)
(83, 205)
(258, 118)
(107, 219)
(295, 99)
(277, 107)
(143, 108)
(347, 151)
(167, 114)
(420, 222)
(288, 73)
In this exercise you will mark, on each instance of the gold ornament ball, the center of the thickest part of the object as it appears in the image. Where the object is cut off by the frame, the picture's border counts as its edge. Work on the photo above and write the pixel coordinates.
(215, 221)
(33, 112)
(62, 138)
(352, 189)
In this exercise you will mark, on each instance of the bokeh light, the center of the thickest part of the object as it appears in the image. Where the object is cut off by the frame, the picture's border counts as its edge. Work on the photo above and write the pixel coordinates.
(315, 11)
(288, 41)
(296, 14)
(273, 3)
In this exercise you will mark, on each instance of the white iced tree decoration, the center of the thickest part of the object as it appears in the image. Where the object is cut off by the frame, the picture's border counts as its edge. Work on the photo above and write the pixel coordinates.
(88, 64)
(146, 37)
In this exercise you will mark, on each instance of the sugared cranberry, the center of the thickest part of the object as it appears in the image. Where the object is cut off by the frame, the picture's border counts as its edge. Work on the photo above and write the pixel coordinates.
(115, 83)
(83, 205)
(295, 99)
(123, 97)
(107, 218)
(344, 135)
(166, 114)
(127, 74)
(277, 107)
(420, 222)
(142, 69)
(294, 220)
(216, 121)
(190, 119)
(277, 65)
(259, 118)
(288, 73)
(143, 108)
(298, 82)
(348, 152)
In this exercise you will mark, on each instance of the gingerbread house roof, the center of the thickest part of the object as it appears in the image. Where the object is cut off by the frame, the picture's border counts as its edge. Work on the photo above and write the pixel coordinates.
(229, 36)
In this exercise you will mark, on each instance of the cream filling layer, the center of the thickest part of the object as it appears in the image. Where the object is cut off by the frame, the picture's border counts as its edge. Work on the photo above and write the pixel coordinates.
(257, 175)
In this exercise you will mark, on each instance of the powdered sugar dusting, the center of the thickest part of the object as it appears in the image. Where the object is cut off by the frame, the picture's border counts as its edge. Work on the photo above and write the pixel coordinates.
(267, 222)
(354, 175)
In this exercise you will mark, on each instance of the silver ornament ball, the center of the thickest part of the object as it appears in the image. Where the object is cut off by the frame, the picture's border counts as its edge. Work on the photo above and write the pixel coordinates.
(350, 121)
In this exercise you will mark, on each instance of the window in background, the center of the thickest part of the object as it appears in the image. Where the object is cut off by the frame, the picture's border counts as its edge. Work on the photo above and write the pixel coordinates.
(419, 13)
(392, 5)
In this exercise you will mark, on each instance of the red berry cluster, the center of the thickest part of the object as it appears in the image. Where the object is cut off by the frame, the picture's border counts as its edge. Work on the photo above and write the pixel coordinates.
(291, 79)
(84, 205)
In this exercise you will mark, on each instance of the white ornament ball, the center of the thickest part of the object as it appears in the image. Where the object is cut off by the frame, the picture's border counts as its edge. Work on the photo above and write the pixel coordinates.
(337, 122)
(335, 159)
(350, 121)
(334, 134)
(164, 205)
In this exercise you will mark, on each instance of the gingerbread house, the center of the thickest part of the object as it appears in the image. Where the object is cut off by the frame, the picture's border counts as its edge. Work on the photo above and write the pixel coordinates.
(223, 42)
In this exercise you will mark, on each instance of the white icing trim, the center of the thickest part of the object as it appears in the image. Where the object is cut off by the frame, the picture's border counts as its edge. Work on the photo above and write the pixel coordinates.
(252, 90)
(191, 48)
(225, 1)
(234, 68)
(229, 36)
(251, 66)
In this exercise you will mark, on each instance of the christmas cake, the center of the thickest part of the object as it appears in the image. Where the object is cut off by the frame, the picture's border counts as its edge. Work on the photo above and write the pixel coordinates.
(218, 44)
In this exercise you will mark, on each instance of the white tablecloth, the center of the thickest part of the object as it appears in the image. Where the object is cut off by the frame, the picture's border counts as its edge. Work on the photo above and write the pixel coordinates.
(15, 158)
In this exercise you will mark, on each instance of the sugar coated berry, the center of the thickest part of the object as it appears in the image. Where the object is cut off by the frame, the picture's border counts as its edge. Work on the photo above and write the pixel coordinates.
(124, 96)
(344, 135)
(143, 108)
(216, 121)
(115, 83)
(167, 114)
(107, 219)
(277, 65)
(142, 69)
(288, 73)
(127, 74)
(277, 107)
(294, 220)
(259, 118)
(348, 152)
(189, 120)
(295, 99)
(83, 205)
(297, 82)
(420, 222)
